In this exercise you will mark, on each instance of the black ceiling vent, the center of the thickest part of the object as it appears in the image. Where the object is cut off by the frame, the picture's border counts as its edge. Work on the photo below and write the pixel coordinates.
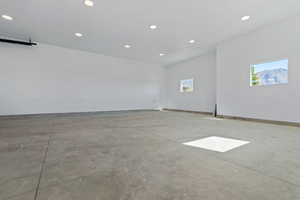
(27, 43)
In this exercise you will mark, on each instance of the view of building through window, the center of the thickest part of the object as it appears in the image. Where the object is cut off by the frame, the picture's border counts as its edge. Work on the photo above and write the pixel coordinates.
(270, 73)
(187, 85)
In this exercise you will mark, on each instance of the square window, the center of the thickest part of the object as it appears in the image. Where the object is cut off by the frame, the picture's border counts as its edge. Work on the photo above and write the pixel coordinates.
(218, 144)
(270, 73)
(187, 85)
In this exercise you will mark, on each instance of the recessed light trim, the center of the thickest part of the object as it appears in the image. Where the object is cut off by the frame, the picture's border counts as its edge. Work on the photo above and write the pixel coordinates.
(89, 3)
(78, 34)
(127, 46)
(161, 54)
(153, 27)
(192, 41)
(245, 18)
(7, 17)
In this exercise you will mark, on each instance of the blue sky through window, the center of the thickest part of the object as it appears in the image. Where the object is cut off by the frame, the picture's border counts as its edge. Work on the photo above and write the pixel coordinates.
(271, 65)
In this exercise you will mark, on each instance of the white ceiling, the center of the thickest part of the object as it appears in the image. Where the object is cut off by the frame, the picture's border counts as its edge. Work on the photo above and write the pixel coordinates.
(110, 24)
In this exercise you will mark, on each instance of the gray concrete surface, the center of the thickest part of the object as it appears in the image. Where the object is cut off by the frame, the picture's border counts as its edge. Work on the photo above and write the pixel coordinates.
(140, 156)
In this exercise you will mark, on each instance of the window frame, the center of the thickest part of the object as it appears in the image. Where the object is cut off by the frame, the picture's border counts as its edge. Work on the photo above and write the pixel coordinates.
(181, 85)
(271, 61)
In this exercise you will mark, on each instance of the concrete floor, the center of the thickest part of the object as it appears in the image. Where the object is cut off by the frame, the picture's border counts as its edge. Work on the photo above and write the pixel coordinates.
(140, 156)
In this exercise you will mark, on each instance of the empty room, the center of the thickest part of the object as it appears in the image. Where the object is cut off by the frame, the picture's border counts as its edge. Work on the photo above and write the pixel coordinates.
(150, 100)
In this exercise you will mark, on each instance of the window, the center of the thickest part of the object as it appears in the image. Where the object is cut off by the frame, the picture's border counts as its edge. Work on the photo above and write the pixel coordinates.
(270, 73)
(187, 85)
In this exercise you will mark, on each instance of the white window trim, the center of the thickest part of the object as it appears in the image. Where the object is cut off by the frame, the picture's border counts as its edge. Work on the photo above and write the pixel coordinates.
(180, 85)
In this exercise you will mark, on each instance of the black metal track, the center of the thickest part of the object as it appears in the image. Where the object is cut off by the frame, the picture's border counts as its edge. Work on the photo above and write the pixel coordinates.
(18, 42)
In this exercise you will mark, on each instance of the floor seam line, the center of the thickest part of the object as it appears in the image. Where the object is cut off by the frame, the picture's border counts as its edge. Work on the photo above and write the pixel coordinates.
(259, 172)
(42, 169)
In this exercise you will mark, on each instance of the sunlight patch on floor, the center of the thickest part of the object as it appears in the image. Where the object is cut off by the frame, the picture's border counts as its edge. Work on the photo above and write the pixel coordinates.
(215, 143)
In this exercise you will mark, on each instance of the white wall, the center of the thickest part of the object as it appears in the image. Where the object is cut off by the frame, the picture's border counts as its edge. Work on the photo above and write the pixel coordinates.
(203, 70)
(234, 95)
(49, 79)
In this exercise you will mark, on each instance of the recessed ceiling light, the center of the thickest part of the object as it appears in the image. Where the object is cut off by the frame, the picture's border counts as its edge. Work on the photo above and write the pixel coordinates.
(89, 3)
(192, 41)
(7, 17)
(161, 54)
(78, 34)
(245, 18)
(127, 46)
(153, 27)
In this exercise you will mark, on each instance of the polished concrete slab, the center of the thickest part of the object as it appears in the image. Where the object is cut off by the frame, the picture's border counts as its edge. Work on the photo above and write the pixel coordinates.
(140, 156)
